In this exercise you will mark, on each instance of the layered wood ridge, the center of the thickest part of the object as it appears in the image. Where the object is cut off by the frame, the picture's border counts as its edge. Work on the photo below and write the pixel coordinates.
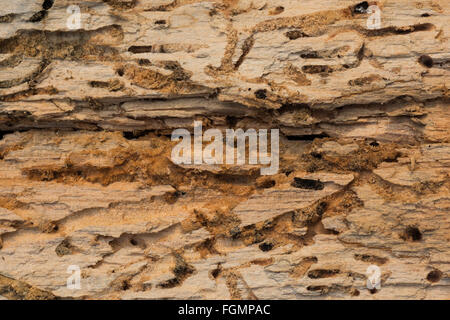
(86, 176)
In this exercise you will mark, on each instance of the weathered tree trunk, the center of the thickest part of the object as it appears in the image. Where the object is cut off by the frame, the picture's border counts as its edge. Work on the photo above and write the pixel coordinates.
(87, 180)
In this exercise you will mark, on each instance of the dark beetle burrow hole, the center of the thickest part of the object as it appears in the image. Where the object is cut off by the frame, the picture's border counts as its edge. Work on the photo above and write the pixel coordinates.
(426, 61)
(64, 248)
(216, 272)
(134, 135)
(49, 227)
(269, 184)
(310, 55)
(47, 4)
(38, 16)
(179, 193)
(425, 15)
(144, 62)
(373, 291)
(128, 135)
(182, 269)
(316, 155)
(434, 276)
(231, 121)
(277, 10)
(373, 259)
(307, 184)
(307, 137)
(421, 27)
(98, 84)
(317, 288)
(140, 49)
(261, 94)
(266, 184)
(171, 283)
(295, 34)
(361, 7)
(133, 242)
(354, 292)
(125, 285)
(374, 144)
(266, 246)
(235, 232)
(160, 22)
(120, 72)
(412, 234)
(321, 208)
(3, 133)
(313, 69)
(322, 273)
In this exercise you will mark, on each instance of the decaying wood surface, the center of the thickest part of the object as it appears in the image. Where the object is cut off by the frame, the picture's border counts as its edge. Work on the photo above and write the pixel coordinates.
(86, 176)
